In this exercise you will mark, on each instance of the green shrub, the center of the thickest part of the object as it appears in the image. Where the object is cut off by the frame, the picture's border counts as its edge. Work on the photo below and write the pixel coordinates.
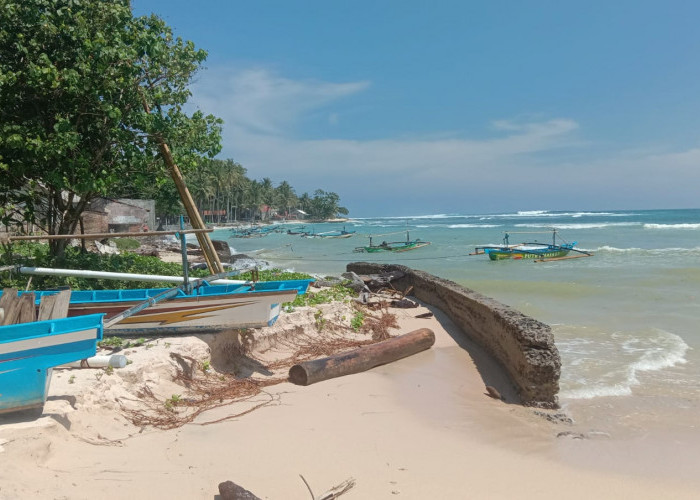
(125, 244)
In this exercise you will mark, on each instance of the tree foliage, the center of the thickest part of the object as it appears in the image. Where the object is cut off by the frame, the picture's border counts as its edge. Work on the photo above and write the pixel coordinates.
(76, 78)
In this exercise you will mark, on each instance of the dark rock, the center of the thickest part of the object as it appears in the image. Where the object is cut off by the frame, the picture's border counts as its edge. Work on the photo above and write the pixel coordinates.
(222, 250)
(404, 303)
(229, 490)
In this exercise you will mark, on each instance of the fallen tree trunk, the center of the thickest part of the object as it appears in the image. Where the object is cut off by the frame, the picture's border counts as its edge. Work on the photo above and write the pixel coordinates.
(362, 358)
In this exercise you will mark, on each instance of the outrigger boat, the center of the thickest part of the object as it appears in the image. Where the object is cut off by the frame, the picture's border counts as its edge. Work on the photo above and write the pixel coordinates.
(330, 234)
(536, 251)
(393, 246)
(198, 308)
(30, 349)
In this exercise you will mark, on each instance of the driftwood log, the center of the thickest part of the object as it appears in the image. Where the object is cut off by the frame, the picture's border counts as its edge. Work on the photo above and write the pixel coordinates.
(362, 358)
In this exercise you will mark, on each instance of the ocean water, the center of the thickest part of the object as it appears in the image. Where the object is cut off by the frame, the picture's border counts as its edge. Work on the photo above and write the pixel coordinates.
(626, 321)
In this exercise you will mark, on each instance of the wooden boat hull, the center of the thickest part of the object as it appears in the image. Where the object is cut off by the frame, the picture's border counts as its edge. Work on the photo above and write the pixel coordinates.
(515, 254)
(29, 351)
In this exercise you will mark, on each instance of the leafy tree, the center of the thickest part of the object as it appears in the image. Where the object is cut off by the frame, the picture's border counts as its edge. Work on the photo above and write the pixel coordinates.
(87, 92)
(324, 205)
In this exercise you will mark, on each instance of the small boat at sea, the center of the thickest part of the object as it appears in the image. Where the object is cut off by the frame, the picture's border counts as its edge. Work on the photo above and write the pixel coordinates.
(393, 246)
(29, 350)
(297, 230)
(204, 309)
(536, 251)
(331, 234)
(253, 231)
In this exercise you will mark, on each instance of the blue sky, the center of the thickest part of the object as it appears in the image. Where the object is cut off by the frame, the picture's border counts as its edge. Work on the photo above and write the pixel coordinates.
(414, 107)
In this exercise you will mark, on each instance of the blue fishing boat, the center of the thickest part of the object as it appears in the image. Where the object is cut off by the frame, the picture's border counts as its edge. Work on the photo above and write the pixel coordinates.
(330, 234)
(537, 251)
(30, 351)
(203, 308)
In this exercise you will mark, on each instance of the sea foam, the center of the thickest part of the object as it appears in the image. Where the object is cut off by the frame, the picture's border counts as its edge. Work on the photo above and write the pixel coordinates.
(671, 226)
(609, 366)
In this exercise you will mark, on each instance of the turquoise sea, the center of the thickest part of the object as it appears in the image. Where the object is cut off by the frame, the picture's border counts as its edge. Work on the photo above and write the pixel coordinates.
(626, 321)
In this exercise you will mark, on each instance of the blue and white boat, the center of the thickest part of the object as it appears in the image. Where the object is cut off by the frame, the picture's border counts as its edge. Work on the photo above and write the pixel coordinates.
(203, 309)
(29, 352)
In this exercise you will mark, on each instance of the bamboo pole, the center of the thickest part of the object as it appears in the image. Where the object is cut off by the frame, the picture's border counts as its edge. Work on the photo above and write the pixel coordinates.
(100, 236)
(205, 243)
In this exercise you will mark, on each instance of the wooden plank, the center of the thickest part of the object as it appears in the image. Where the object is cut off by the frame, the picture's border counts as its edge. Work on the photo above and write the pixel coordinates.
(60, 308)
(54, 306)
(26, 308)
(46, 307)
(8, 302)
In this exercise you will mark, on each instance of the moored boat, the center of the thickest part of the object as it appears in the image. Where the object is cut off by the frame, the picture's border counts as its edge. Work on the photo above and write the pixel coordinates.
(536, 251)
(393, 246)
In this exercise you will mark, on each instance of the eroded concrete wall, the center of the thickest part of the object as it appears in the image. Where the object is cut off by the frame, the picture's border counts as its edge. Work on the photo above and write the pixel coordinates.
(522, 345)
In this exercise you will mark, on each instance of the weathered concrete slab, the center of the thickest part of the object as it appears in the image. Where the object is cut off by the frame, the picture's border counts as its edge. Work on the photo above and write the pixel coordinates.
(521, 344)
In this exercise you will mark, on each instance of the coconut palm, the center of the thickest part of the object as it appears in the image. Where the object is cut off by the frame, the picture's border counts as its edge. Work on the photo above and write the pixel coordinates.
(285, 198)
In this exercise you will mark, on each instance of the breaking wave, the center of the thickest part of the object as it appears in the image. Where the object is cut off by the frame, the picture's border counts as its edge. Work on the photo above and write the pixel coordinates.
(610, 365)
(671, 226)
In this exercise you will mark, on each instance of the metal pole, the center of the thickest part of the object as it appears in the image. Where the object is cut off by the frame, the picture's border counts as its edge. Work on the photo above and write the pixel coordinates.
(183, 248)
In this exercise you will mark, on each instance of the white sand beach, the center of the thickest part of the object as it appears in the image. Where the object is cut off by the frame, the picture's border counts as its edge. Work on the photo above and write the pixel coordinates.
(421, 427)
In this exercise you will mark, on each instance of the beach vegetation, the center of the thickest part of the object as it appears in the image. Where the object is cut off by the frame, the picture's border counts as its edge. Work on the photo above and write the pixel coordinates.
(71, 380)
(320, 320)
(357, 321)
(336, 293)
(110, 342)
(275, 274)
(109, 370)
(126, 244)
(172, 402)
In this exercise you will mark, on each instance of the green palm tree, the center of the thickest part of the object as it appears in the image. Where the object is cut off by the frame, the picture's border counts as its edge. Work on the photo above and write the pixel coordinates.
(285, 198)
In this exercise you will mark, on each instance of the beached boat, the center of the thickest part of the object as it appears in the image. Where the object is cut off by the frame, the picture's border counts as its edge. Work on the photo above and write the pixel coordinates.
(29, 352)
(393, 246)
(205, 309)
(537, 251)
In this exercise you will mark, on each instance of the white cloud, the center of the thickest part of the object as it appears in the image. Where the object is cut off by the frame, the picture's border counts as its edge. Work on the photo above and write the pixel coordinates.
(524, 160)
(260, 102)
